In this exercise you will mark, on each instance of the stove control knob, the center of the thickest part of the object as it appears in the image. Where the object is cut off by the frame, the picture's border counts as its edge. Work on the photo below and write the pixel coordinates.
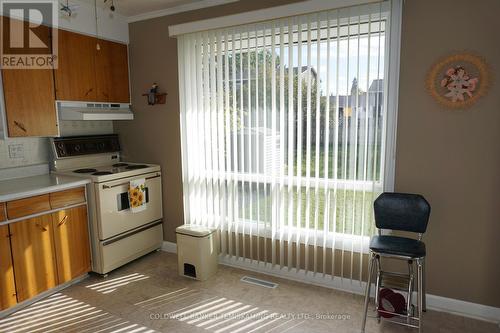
(60, 149)
(78, 148)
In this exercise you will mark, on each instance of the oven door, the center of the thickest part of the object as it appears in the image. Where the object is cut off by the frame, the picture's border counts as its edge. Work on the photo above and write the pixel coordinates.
(112, 207)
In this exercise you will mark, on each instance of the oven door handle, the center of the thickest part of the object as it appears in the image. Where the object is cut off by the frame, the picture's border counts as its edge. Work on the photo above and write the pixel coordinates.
(121, 184)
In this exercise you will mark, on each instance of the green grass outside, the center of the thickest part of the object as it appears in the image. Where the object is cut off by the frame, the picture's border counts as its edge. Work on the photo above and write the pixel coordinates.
(340, 160)
(351, 210)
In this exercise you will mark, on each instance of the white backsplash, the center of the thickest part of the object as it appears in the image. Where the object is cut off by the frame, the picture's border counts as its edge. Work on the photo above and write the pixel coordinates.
(16, 152)
(24, 171)
(23, 151)
(81, 127)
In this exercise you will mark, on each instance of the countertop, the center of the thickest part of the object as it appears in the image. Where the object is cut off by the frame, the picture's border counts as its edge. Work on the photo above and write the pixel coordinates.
(18, 188)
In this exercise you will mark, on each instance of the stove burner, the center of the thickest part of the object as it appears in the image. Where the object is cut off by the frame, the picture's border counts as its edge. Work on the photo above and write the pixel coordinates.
(102, 173)
(136, 166)
(85, 170)
(117, 165)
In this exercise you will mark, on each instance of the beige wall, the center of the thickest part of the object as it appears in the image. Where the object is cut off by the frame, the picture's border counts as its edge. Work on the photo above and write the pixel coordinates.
(449, 156)
(452, 157)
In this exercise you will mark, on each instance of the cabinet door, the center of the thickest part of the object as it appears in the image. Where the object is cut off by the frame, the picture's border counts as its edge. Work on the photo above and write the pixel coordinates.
(30, 99)
(75, 75)
(3, 214)
(112, 72)
(33, 256)
(7, 285)
(29, 102)
(71, 243)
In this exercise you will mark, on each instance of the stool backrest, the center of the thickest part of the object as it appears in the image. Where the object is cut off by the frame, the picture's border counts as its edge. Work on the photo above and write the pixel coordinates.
(402, 211)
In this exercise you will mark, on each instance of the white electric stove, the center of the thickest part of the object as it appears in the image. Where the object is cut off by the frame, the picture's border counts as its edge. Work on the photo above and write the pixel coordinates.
(118, 235)
(107, 172)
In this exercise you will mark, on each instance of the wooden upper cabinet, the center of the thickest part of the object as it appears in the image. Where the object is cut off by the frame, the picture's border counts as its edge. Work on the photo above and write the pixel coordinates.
(7, 284)
(71, 239)
(112, 72)
(90, 73)
(30, 102)
(33, 255)
(75, 77)
(29, 97)
(85, 73)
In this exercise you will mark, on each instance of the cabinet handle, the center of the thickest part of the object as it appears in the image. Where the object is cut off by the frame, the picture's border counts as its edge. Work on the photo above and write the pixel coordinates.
(41, 227)
(89, 91)
(63, 221)
(20, 125)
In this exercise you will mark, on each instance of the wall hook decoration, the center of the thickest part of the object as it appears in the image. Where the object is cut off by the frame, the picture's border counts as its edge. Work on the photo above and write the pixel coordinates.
(154, 97)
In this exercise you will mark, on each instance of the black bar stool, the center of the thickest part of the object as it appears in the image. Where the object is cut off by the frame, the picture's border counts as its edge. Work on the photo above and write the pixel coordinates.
(404, 212)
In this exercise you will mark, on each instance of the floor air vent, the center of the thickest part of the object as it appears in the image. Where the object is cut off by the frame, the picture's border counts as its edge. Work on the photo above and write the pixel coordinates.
(259, 282)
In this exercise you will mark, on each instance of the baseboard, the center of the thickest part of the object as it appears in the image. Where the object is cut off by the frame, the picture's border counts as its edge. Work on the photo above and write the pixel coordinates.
(434, 302)
(317, 279)
(169, 247)
(463, 308)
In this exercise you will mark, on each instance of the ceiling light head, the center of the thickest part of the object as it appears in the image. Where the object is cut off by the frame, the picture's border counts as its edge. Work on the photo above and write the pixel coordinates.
(68, 9)
(112, 7)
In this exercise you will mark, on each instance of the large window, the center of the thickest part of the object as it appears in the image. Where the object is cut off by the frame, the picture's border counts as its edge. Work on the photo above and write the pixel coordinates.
(284, 127)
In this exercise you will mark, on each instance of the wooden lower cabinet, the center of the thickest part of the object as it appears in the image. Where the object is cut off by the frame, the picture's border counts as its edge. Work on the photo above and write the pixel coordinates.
(28, 206)
(7, 284)
(71, 241)
(3, 214)
(33, 255)
(39, 253)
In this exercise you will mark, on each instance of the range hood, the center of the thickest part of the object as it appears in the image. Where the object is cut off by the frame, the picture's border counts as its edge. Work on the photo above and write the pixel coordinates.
(93, 111)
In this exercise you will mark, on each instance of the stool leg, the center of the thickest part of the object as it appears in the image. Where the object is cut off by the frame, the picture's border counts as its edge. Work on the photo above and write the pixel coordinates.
(410, 291)
(424, 292)
(367, 292)
(377, 285)
(420, 294)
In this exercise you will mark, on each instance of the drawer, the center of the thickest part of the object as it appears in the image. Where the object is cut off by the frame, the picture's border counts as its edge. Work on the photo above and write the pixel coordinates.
(66, 198)
(2, 212)
(28, 206)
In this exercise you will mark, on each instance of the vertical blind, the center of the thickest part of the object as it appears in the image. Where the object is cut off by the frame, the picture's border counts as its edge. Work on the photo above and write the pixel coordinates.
(283, 128)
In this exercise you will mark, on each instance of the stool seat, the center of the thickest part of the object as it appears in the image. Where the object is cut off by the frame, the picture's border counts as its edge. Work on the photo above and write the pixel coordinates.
(399, 246)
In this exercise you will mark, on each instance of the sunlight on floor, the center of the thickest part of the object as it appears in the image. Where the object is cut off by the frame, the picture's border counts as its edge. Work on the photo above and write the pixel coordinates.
(161, 300)
(110, 285)
(61, 313)
(220, 314)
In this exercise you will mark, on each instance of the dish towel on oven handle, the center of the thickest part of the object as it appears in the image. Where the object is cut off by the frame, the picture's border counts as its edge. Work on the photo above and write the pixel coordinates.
(137, 195)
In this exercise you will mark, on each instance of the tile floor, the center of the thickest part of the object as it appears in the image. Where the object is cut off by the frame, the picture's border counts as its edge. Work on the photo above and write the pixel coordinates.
(147, 296)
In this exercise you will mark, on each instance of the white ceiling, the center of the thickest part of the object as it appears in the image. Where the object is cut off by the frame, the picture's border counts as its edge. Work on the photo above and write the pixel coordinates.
(136, 8)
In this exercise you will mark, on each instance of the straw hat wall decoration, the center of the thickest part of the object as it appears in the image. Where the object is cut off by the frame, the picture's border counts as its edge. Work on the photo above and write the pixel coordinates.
(459, 80)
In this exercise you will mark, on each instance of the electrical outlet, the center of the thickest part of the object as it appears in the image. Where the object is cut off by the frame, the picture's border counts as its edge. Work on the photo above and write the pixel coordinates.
(16, 150)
